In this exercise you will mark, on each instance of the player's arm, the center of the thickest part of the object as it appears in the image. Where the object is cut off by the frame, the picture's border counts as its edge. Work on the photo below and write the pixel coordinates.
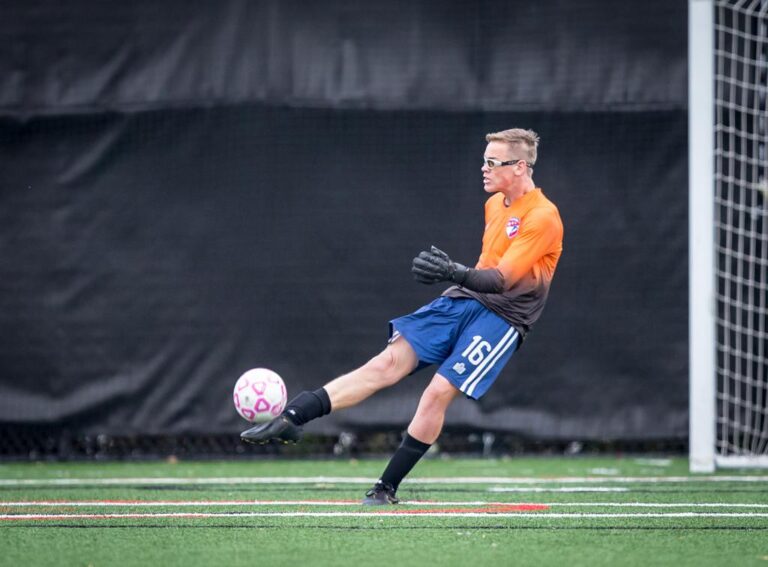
(540, 231)
(435, 266)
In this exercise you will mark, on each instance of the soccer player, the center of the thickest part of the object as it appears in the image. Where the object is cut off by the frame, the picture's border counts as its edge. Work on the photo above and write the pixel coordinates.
(471, 330)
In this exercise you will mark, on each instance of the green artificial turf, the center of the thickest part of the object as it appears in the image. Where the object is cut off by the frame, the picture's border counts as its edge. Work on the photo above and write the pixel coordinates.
(535, 537)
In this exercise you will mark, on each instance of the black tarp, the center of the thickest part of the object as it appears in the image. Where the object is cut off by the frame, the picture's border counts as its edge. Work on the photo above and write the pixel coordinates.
(188, 190)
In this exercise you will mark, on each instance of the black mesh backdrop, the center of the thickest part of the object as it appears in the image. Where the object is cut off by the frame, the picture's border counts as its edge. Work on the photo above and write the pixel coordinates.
(189, 201)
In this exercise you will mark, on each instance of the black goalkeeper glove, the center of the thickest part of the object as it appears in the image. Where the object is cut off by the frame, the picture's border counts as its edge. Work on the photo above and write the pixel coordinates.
(435, 266)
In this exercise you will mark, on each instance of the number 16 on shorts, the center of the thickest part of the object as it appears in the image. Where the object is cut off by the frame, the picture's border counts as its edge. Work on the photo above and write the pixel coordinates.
(476, 351)
(478, 365)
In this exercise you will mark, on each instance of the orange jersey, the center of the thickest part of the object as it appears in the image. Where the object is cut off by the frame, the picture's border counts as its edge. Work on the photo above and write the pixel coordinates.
(524, 242)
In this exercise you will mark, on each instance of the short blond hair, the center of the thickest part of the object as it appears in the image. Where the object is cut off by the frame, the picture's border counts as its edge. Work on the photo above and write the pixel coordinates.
(518, 138)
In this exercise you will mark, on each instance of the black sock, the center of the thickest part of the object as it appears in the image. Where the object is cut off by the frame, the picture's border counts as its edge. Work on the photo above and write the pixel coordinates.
(405, 458)
(307, 406)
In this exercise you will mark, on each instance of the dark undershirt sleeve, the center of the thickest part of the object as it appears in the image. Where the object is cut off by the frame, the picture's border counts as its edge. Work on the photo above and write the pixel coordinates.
(484, 281)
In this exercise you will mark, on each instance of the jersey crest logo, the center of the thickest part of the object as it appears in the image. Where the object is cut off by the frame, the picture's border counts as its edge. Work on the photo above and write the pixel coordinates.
(512, 227)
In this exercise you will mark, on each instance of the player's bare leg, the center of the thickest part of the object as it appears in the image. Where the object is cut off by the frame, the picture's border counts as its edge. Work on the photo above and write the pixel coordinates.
(424, 430)
(385, 369)
(427, 422)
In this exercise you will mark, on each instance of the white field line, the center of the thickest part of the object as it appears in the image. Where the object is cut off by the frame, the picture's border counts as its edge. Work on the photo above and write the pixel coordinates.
(558, 489)
(134, 481)
(235, 503)
(518, 515)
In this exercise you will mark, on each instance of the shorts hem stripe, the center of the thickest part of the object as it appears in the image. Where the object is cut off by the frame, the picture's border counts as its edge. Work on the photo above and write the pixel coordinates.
(479, 379)
(481, 369)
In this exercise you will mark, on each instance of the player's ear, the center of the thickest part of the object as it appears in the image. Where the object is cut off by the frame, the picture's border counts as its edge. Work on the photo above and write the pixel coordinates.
(527, 170)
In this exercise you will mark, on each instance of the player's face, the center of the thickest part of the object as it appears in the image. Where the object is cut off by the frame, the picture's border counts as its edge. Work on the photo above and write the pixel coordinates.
(504, 177)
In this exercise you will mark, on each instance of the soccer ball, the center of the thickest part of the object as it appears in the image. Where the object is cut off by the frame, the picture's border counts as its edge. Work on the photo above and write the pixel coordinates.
(260, 395)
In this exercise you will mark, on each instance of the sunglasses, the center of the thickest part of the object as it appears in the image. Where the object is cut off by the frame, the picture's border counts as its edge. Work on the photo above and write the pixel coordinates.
(493, 162)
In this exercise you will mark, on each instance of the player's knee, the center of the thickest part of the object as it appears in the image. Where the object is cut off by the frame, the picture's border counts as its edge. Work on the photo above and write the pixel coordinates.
(386, 367)
(430, 403)
(437, 396)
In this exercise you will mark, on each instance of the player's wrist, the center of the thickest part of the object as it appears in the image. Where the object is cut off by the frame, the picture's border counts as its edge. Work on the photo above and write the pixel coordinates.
(458, 273)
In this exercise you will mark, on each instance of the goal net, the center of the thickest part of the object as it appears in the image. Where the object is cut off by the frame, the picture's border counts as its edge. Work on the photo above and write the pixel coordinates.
(741, 231)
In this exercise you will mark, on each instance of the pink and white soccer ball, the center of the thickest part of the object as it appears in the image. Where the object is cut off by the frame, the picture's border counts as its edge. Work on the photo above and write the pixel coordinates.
(260, 395)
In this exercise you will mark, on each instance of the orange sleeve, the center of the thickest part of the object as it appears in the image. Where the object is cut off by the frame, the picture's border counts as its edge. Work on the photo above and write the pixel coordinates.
(540, 231)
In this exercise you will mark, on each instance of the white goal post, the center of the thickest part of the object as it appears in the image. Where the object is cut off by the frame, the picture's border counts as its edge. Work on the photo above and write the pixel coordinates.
(728, 233)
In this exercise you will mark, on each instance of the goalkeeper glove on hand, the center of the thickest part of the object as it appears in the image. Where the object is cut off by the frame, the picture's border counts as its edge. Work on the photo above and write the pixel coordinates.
(435, 266)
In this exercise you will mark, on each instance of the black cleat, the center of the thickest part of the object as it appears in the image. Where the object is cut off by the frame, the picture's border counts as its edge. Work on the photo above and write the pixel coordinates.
(280, 429)
(380, 495)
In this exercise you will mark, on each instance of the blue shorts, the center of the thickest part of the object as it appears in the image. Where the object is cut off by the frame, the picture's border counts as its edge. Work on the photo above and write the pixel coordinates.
(469, 342)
